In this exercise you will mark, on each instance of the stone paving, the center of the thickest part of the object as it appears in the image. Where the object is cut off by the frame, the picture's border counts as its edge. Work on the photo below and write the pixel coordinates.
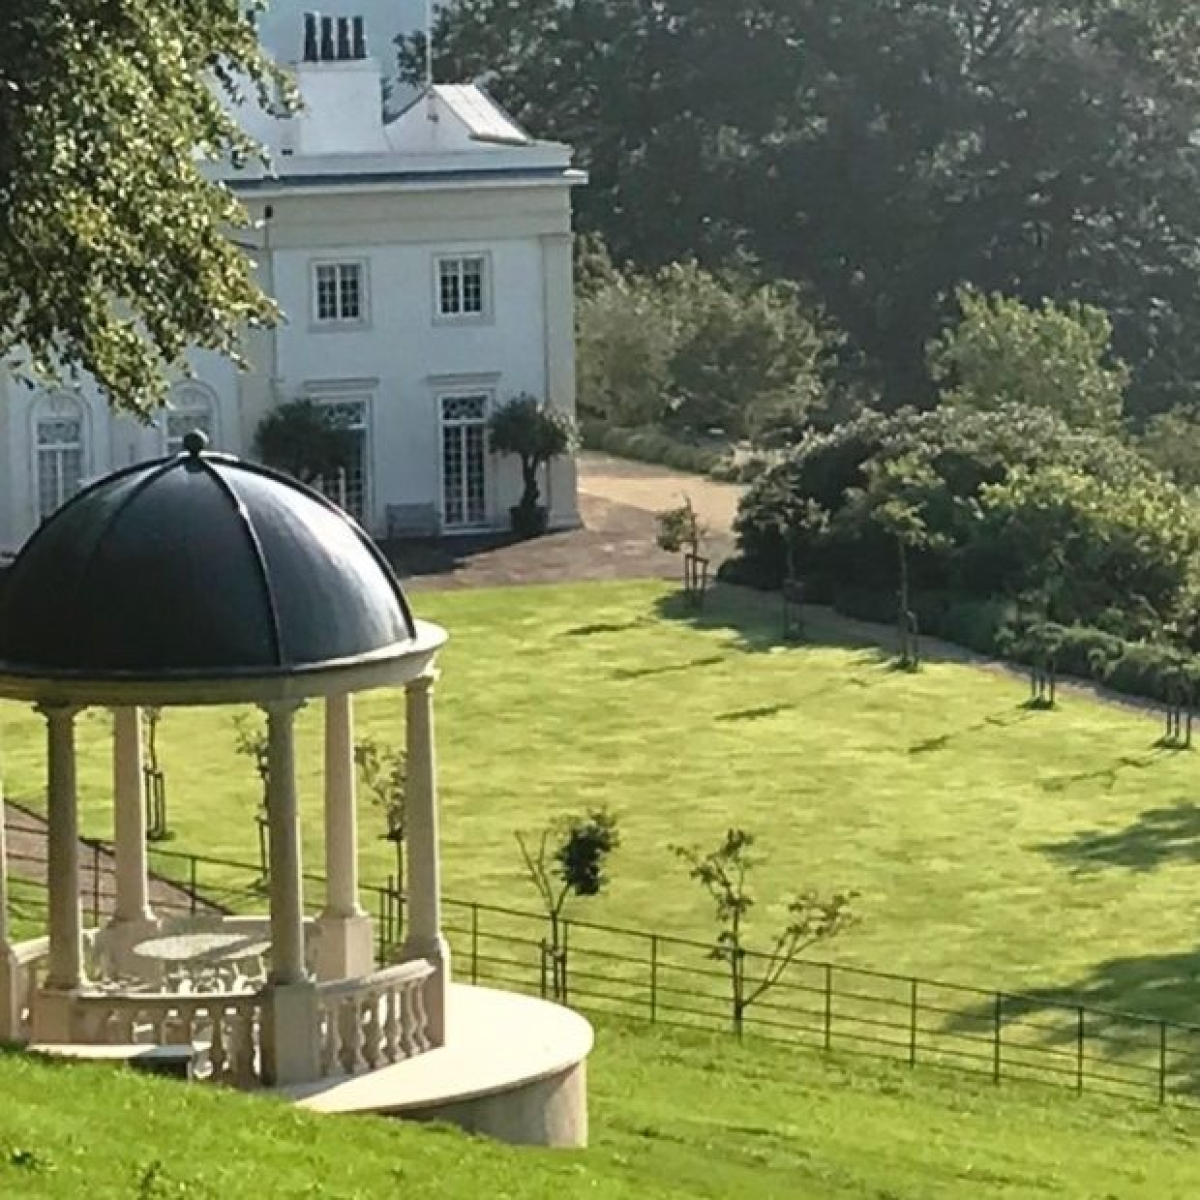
(618, 501)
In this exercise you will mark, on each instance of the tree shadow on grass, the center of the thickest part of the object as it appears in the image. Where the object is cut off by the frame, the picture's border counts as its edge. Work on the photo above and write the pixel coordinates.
(755, 621)
(1000, 720)
(1128, 1026)
(710, 660)
(1107, 775)
(605, 627)
(755, 714)
(1158, 836)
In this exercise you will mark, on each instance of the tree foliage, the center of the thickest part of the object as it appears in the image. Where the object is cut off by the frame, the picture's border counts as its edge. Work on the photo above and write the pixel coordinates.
(569, 858)
(114, 238)
(724, 874)
(700, 350)
(1011, 503)
(305, 439)
(885, 152)
(1004, 353)
(536, 433)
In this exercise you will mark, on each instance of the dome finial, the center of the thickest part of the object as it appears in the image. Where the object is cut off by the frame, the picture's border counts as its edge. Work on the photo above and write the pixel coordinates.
(195, 442)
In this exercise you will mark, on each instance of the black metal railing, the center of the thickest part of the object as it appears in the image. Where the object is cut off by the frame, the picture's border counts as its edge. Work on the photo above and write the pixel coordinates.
(667, 980)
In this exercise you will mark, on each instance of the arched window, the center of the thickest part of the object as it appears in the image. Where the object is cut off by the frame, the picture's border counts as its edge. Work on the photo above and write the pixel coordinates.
(190, 407)
(60, 451)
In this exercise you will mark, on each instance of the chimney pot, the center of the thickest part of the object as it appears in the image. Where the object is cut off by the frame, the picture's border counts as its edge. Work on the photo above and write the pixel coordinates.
(360, 38)
(311, 50)
(343, 38)
(327, 48)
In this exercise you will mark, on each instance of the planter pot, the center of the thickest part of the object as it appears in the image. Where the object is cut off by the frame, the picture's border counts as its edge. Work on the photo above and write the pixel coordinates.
(529, 521)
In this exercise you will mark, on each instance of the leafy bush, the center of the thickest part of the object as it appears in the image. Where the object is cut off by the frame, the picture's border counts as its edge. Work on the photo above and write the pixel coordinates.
(1011, 503)
(685, 347)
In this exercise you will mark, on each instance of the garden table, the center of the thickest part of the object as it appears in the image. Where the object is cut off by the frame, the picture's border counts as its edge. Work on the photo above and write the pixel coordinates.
(200, 955)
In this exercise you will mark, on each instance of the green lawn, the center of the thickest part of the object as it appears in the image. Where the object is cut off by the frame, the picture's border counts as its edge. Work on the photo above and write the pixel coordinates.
(673, 1116)
(992, 845)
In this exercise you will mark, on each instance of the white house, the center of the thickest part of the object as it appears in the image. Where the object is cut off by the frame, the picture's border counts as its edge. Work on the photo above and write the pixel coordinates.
(424, 268)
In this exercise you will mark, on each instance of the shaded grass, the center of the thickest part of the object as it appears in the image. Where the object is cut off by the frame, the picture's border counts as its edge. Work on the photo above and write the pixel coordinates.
(992, 845)
(672, 1116)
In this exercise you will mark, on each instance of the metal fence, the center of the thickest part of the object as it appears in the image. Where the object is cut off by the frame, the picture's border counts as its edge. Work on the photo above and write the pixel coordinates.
(676, 982)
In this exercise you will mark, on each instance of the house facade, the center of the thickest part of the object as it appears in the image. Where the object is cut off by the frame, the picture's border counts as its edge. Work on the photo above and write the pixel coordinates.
(424, 270)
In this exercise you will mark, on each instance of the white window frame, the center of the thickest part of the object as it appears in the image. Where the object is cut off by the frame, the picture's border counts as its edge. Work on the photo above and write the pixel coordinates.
(364, 293)
(464, 392)
(49, 410)
(443, 258)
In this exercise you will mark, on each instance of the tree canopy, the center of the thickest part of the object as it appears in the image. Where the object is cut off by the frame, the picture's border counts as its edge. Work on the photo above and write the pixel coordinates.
(885, 152)
(1003, 352)
(115, 254)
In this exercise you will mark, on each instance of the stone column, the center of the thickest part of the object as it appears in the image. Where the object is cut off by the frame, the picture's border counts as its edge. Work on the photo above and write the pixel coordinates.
(345, 948)
(290, 1050)
(425, 938)
(52, 1008)
(129, 820)
(558, 302)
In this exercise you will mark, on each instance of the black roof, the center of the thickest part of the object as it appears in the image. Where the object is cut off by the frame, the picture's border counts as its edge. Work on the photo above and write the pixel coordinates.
(198, 565)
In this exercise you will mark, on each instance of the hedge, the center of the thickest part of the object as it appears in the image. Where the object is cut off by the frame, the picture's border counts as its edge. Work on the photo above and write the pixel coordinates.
(651, 445)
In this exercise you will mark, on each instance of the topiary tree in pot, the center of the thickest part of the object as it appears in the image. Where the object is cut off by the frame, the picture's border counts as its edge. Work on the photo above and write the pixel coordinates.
(536, 433)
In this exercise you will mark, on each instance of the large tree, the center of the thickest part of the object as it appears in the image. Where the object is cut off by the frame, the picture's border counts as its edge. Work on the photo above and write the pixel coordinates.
(115, 254)
(886, 151)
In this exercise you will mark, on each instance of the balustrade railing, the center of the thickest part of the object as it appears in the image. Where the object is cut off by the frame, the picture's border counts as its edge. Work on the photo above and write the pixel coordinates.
(375, 1021)
(224, 1029)
(21, 971)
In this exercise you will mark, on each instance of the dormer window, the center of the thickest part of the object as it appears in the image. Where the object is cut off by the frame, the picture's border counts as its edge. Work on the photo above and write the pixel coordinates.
(462, 287)
(339, 293)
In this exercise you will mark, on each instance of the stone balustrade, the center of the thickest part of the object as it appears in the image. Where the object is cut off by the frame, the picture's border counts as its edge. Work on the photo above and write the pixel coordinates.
(372, 1022)
(21, 970)
(225, 1029)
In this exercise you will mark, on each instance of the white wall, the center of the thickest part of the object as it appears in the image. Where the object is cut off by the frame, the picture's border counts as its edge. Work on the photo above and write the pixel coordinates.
(404, 357)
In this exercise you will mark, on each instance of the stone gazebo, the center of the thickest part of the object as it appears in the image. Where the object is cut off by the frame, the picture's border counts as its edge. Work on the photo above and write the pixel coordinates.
(202, 580)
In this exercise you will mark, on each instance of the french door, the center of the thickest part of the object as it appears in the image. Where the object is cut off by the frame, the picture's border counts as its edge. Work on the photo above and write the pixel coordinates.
(464, 460)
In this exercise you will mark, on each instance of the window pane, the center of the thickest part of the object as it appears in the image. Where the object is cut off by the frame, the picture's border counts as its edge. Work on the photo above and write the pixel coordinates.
(350, 275)
(472, 285)
(327, 293)
(450, 287)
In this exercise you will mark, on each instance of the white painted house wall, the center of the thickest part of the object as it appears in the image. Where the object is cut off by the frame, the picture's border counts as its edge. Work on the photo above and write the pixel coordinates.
(393, 199)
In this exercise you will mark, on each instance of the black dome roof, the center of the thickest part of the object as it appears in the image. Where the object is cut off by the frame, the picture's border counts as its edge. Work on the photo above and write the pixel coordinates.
(199, 565)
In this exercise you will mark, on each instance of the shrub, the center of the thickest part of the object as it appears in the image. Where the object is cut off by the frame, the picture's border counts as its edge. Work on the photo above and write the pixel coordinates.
(1015, 503)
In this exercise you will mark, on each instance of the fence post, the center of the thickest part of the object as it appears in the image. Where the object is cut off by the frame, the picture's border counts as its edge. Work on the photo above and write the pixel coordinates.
(998, 1026)
(653, 978)
(1079, 1053)
(1162, 1062)
(193, 875)
(475, 941)
(828, 1006)
(912, 1027)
